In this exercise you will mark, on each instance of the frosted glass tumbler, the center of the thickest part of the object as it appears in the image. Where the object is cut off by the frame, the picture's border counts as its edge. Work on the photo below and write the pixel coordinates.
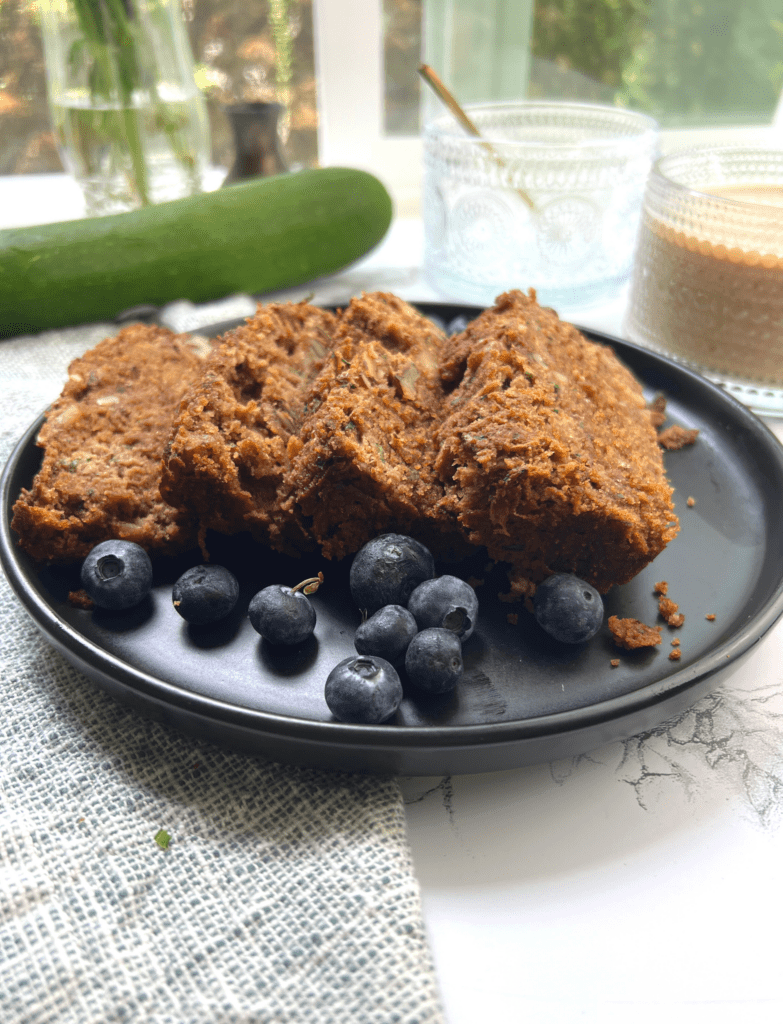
(549, 197)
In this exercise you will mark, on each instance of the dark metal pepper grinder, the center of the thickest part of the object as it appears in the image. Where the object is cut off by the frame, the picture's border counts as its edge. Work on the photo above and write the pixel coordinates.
(256, 141)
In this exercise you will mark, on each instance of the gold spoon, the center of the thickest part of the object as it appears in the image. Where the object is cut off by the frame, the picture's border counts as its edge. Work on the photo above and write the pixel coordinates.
(440, 90)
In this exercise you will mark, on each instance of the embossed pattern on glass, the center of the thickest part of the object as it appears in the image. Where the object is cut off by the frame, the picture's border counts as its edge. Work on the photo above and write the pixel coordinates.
(708, 280)
(583, 167)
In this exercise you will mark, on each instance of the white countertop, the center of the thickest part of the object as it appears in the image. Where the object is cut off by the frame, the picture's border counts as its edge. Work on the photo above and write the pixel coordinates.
(642, 882)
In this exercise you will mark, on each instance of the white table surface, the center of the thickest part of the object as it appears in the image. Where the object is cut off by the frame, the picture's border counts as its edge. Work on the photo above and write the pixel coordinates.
(642, 882)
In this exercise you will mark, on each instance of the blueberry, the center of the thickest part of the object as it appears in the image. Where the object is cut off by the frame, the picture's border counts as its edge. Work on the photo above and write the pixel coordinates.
(387, 569)
(387, 633)
(117, 574)
(448, 603)
(568, 609)
(433, 660)
(363, 689)
(282, 615)
(205, 594)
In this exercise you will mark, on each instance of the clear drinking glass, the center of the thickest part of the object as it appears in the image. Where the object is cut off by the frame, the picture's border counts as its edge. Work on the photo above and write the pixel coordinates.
(549, 197)
(708, 279)
(129, 121)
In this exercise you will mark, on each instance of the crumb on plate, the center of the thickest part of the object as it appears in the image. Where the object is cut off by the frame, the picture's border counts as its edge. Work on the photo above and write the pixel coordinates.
(631, 634)
(658, 411)
(676, 437)
(669, 612)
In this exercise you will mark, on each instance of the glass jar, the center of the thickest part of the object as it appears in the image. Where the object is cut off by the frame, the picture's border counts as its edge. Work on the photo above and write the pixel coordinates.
(549, 197)
(707, 287)
(129, 120)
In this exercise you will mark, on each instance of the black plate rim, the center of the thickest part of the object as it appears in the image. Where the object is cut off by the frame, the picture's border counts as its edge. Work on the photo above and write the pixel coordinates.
(94, 660)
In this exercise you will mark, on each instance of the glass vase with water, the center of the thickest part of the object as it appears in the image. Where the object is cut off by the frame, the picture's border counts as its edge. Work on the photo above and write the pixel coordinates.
(129, 120)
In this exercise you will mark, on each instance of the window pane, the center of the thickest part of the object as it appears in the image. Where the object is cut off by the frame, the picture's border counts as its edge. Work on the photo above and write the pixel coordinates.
(689, 63)
(26, 140)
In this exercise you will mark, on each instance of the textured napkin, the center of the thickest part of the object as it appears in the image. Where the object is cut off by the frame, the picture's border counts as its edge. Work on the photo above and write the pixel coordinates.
(148, 877)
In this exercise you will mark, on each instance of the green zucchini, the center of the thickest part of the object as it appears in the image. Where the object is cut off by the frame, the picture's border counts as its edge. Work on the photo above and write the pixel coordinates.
(256, 236)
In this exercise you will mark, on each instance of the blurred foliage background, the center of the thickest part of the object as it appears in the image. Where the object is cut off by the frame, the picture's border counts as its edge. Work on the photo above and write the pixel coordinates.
(687, 62)
(243, 52)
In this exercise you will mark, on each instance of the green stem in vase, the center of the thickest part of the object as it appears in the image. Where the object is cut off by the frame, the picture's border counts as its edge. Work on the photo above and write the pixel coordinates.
(113, 42)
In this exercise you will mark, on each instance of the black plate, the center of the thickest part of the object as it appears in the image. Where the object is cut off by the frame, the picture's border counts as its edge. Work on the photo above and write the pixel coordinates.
(524, 699)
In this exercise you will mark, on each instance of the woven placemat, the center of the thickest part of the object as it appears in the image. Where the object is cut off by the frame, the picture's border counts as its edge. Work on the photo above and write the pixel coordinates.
(149, 877)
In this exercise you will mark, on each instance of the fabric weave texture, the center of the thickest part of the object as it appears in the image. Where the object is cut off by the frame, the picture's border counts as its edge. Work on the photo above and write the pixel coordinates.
(284, 894)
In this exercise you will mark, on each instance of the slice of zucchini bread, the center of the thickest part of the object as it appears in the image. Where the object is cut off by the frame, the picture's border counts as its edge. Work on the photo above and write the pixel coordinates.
(547, 452)
(364, 460)
(229, 445)
(103, 440)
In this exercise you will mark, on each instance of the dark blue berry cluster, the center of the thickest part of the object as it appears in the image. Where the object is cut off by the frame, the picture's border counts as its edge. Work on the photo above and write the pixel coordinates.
(415, 620)
(411, 619)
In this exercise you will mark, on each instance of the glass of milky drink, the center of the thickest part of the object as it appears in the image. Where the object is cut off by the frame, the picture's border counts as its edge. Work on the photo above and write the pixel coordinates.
(707, 286)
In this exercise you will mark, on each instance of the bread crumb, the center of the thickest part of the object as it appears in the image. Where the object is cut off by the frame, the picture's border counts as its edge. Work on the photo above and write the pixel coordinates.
(690, 502)
(630, 633)
(676, 642)
(710, 617)
(675, 655)
(512, 618)
(661, 588)
(667, 608)
(615, 662)
(674, 437)
(658, 411)
(80, 599)
(668, 611)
